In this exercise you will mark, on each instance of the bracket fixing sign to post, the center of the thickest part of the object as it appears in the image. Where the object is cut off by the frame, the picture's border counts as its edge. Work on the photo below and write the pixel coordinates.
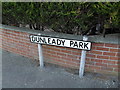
(84, 45)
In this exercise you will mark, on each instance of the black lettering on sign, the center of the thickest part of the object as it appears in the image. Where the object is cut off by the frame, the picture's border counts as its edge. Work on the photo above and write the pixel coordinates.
(35, 38)
(75, 44)
(53, 41)
(49, 40)
(63, 42)
(80, 44)
(42, 40)
(58, 41)
(71, 43)
(85, 45)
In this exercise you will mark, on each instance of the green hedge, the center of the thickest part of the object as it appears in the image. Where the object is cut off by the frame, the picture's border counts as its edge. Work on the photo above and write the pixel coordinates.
(66, 17)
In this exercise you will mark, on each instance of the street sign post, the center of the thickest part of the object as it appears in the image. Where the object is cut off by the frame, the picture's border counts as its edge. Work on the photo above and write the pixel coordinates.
(84, 45)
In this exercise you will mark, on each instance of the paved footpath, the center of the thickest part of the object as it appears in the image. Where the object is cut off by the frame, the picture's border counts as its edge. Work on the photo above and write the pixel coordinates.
(21, 72)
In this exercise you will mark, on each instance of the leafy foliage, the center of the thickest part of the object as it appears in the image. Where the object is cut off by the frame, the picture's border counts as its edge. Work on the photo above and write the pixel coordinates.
(66, 17)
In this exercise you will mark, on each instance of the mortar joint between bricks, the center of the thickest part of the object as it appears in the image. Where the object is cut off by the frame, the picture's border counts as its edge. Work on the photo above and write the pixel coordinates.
(102, 51)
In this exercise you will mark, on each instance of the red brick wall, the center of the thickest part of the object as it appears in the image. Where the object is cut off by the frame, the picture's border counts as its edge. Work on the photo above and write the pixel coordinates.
(103, 57)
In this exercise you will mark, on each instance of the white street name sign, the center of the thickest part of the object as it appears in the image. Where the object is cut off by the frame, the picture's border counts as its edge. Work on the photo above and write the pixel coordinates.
(60, 42)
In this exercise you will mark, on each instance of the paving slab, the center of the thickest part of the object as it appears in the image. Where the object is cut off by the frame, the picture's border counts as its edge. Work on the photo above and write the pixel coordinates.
(22, 72)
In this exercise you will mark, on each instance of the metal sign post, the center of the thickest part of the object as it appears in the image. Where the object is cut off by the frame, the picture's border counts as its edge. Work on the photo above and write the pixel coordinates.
(40, 55)
(82, 62)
